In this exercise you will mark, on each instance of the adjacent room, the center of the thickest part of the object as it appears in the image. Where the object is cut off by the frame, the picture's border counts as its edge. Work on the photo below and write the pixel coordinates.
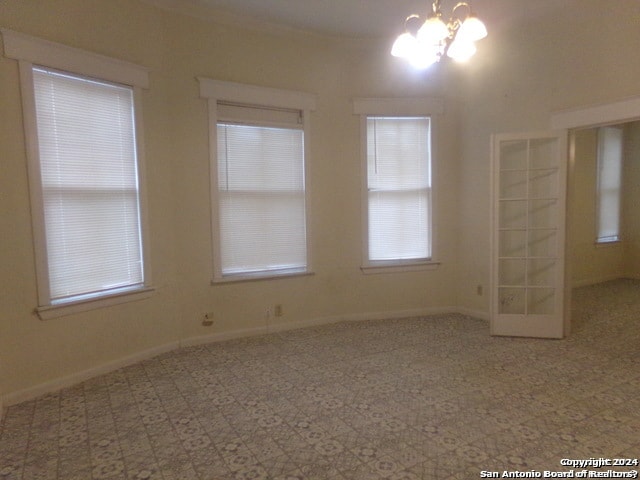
(250, 240)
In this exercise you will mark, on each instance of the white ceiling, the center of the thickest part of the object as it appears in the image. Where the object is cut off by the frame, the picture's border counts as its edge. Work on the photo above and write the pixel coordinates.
(353, 18)
(349, 18)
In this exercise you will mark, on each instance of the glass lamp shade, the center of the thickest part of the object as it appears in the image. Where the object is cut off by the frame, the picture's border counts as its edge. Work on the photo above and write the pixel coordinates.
(472, 29)
(424, 56)
(433, 31)
(461, 50)
(404, 46)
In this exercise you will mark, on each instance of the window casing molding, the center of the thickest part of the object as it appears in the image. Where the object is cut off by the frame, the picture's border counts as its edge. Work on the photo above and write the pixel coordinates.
(220, 94)
(30, 52)
(398, 107)
(37, 51)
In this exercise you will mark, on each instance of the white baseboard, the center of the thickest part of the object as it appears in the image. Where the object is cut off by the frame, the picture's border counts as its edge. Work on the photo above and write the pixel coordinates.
(470, 312)
(595, 281)
(222, 336)
(252, 332)
(73, 379)
(417, 312)
(314, 322)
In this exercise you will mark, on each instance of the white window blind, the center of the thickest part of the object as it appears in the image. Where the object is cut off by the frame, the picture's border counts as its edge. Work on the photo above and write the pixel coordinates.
(261, 195)
(399, 188)
(88, 169)
(610, 154)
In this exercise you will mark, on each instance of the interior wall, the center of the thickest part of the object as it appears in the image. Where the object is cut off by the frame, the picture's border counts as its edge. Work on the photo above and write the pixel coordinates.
(525, 69)
(523, 72)
(36, 355)
(631, 199)
(34, 352)
(590, 262)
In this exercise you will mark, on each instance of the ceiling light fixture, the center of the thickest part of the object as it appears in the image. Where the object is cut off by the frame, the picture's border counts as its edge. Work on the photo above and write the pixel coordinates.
(424, 45)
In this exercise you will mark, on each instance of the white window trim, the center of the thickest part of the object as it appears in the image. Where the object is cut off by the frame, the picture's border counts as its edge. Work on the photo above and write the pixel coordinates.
(218, 91)
(408, 106)
(19, 46)
(30, 51)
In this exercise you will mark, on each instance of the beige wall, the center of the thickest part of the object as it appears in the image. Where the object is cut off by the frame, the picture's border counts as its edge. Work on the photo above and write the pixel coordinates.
(176, 49)
(631, 195)
(591, 262)
(524, 70)
(33, 352)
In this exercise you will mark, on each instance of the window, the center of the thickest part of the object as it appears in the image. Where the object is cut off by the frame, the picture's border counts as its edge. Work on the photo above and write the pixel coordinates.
(610, 155)
(259, 198)
(90, 194)
(397, 190)
(84, 175)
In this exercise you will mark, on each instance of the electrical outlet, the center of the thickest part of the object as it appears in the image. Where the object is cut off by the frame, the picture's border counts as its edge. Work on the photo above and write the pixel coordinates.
(277, 310)
(207, 321)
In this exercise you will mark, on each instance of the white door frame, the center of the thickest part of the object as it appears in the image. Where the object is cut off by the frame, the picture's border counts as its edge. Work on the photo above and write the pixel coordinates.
(620, 111)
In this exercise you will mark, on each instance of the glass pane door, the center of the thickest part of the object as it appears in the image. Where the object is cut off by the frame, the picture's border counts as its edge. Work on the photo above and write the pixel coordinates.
(529, 176)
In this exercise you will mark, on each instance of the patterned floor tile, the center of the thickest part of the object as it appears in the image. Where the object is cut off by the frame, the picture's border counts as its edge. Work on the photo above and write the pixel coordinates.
(404, 399)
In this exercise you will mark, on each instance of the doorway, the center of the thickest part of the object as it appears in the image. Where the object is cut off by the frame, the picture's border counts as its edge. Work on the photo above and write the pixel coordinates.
(624, 112)
(613, 253)
(603, 250)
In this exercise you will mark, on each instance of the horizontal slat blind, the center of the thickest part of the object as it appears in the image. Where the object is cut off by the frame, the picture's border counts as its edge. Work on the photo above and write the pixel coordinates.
(399, 188)
(610, 156)
(252, 115)
(88, 167)
(261, 199)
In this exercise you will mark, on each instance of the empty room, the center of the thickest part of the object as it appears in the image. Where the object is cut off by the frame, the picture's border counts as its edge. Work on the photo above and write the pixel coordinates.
(319, 239)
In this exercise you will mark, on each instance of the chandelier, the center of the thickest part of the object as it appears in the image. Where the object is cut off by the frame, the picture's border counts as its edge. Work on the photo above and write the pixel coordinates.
(424, 45)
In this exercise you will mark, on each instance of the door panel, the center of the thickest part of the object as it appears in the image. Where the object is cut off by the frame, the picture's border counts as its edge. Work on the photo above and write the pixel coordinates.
(528, 229)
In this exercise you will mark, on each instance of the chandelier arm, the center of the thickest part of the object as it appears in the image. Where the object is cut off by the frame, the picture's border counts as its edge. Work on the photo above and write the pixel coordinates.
(461, 4)
(453, 26)
(410, 17)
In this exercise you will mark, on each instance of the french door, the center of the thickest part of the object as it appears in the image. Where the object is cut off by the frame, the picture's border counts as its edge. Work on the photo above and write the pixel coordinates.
(529, 186)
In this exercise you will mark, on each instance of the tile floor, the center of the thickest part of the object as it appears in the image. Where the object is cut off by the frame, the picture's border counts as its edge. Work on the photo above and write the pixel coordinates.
(414, 398)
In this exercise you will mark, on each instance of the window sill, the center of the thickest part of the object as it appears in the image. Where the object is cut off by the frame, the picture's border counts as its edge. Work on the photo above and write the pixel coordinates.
(54, 311)
(399, 267)
(607, 243)
(227, 279)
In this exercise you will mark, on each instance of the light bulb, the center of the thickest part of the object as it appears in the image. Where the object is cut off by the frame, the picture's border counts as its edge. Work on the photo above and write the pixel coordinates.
(424, 56)
(433, 31)
(472, 29)
(404, 46)
(461, 50)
